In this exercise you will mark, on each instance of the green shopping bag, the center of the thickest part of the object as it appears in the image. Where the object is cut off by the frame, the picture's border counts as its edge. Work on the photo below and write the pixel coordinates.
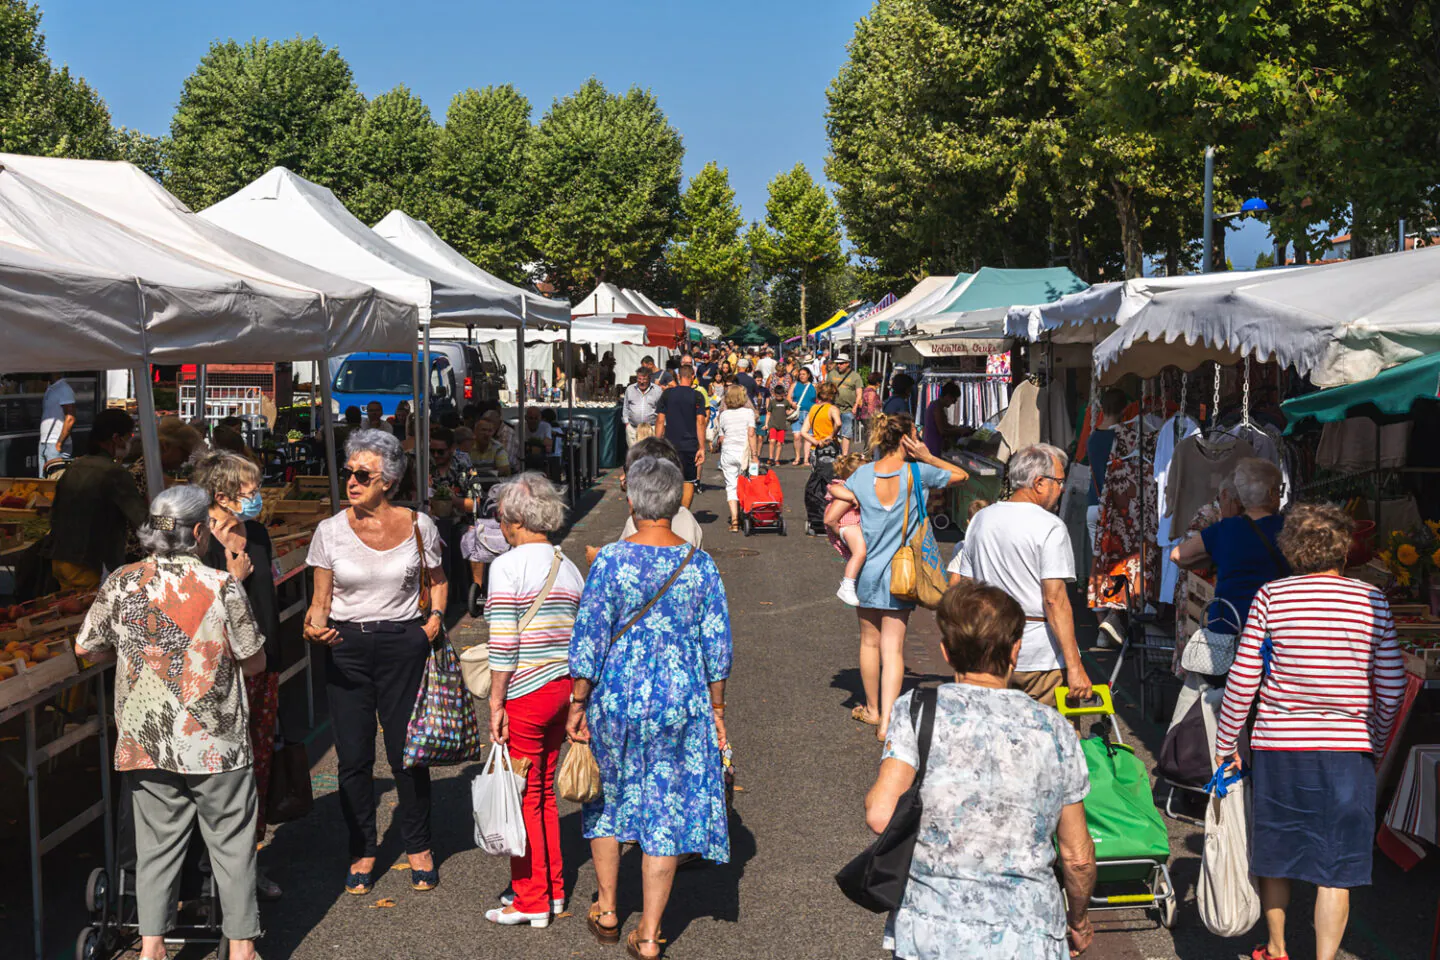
(1120, 810)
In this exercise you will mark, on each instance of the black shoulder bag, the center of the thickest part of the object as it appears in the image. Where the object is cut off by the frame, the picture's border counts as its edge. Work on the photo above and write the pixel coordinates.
(876, 879)
(1282, 566)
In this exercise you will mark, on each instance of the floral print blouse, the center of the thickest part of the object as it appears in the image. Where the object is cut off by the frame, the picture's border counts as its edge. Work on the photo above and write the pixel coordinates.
(982, 884)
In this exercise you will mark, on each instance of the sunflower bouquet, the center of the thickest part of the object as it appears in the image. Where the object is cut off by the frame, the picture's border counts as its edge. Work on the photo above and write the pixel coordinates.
(1411, 554)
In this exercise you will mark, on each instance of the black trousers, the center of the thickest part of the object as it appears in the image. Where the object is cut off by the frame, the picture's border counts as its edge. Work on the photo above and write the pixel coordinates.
(376, 672)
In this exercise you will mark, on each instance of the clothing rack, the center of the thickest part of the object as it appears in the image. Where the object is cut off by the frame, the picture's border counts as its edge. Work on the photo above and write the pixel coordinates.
(982, 395)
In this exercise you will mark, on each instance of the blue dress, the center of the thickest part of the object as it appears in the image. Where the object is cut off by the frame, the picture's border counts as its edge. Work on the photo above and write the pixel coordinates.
(883, 528)
(651, 726)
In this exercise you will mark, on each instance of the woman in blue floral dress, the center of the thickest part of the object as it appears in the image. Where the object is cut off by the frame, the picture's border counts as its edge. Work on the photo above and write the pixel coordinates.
(649, 697)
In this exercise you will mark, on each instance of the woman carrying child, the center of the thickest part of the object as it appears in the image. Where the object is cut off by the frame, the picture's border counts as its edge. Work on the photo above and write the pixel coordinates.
(842, 523)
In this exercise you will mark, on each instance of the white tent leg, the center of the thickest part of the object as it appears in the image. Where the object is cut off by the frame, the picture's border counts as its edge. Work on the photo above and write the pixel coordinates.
(149, 430)
(422, 436)
(327, 417)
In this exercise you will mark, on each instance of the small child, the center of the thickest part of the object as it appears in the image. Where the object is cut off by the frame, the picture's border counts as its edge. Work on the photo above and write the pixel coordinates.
(779, 414)
(842, 523)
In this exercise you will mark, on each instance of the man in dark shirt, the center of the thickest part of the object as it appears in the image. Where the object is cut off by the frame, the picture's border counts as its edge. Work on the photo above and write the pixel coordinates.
(95, 501)
(680, 418)
(752, 387)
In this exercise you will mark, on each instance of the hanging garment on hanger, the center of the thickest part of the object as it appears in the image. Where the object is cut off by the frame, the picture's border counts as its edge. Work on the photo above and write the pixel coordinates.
(1128, 522)
(1055, 421)
(1020, 426)
(1196, 472)
(1165, 442)
(1349, 445)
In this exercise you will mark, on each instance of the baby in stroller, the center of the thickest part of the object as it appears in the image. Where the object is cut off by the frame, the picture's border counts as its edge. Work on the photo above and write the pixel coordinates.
(842, 525)
(480, 545)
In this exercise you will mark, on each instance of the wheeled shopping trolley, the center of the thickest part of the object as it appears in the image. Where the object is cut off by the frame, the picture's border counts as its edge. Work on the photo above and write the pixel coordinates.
(1132, 846)
(762, 502)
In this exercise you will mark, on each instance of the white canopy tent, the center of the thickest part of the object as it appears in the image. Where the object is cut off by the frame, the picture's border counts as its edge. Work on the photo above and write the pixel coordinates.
(615, 337)
(707, 330)
(417, 238)
(921, 300)
(1091, 315)
(608, 298)
(1336, 323)
(360, 316)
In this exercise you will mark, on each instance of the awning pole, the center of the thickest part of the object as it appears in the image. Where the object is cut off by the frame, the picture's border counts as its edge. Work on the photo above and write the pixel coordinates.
(149, 431)
(327, 417)
(201, 385)
(570, 412)
(422, 438)
(520, 381)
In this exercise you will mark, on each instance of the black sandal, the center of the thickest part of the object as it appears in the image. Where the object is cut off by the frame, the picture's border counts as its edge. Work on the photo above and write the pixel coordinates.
(602, 933)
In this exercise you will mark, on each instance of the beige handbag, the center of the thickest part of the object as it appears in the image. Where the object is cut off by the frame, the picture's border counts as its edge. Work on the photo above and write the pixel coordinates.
(475, 661)
(917, 573)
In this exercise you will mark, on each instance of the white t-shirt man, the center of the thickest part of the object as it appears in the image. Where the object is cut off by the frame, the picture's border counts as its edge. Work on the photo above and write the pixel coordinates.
(766, 366)
(57, 397)
(1016, 547)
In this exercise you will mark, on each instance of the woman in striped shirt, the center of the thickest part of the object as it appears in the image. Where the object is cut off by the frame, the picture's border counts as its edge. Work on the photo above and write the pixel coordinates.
(534, 593)
(1319, 649)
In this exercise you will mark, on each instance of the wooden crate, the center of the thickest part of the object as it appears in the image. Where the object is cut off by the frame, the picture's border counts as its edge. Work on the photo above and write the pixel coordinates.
(31, 679)
(1191, 610)
(298, 544)
(1423, 663)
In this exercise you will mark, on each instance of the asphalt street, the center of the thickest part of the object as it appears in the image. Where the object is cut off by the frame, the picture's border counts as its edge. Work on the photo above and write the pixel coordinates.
(802, 766)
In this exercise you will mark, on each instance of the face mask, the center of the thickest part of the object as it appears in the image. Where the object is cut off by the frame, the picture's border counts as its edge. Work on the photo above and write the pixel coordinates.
(250, 507)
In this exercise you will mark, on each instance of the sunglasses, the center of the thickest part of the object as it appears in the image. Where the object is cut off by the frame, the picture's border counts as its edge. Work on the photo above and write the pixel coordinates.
(362, 477)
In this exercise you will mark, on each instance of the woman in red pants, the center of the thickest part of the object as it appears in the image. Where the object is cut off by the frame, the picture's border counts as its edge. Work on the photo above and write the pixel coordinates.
(534, 594)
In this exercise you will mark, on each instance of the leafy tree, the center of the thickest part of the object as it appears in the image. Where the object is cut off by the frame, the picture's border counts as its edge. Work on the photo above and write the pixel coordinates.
(249, 107)
(479, 164)
(707, 253)
(605, 171)
(383, 158)
(43, 110)
(149, 153)
(800, 241)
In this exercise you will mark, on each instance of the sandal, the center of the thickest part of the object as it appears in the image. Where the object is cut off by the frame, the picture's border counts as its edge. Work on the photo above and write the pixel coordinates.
(859, 714)
(602, 933)
(359, 884)
(1262, 953)
(734, 526)
(423, 880)
(632, 945)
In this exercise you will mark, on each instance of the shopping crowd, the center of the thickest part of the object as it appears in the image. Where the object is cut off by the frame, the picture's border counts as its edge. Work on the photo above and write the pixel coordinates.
(632, 658)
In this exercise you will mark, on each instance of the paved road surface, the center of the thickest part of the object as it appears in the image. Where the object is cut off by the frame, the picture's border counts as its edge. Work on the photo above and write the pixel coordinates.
(803, 767)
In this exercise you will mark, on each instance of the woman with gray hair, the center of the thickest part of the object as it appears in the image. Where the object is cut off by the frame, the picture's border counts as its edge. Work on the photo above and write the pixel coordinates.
(378, 606)
(534, 593)
(1243, 549)
(184, 640)
(649, 655)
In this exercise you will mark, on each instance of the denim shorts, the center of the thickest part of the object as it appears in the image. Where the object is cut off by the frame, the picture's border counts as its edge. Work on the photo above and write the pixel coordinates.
(847, 426)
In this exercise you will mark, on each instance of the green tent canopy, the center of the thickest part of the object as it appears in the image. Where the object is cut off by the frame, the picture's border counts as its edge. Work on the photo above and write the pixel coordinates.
(991, 287)
(1387, 396)
(754, 335)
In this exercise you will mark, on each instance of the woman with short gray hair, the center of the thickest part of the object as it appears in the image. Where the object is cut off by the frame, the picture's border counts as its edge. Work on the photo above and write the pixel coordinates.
(534, 593)
(649, 655)
(183, 748)
(378, 606)
(1243, 549)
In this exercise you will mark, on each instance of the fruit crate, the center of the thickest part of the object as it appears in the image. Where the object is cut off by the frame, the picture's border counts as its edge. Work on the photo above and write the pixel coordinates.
(22, 497)
(38, 668)
(290, 552)
(1423, 663)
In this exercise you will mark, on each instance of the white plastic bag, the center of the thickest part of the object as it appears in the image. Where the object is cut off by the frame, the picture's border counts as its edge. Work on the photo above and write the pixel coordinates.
(1229, 903)
(495, 796)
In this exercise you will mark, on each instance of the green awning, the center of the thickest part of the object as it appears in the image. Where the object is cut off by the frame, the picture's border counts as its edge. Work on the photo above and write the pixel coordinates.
(991, 287)
(1388, 396)
(753, 334)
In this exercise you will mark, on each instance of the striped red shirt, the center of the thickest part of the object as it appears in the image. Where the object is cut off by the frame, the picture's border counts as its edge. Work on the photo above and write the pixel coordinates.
(1336, 674)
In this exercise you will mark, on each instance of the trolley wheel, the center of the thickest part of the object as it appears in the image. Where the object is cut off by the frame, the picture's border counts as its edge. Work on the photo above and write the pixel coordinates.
(475, 601)
(783, 530)
(1164, 895)
(746, 525)
(97, 893)
(87, 945)
(940, 521)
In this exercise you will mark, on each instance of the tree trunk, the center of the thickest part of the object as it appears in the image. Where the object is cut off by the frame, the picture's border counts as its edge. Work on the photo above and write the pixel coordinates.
(1130, 243)
(804, 328)
(1079, 257)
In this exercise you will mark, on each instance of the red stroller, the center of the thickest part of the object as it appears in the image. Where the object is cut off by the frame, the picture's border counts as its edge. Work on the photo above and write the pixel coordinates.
(762, 502)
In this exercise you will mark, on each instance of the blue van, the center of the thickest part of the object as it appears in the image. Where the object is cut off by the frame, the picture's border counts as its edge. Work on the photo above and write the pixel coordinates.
(460, 373)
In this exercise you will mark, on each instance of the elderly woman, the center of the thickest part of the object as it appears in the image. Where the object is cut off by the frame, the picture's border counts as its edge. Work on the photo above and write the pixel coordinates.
(650, 655)
(239, 545)
(1319, 650)
(178, 443)
(904, 473)
(182, 742)
(1005, 776)
(534, 593)
(735, 428)
(372, 565)
(1242, 548)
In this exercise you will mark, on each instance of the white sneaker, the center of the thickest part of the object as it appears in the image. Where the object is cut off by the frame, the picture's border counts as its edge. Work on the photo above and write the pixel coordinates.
(557, 906)
(847, 593)
(515, 919)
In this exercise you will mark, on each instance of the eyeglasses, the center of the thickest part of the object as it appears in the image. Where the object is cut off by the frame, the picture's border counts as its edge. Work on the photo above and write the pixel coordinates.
(1059, 480)
(362, 477)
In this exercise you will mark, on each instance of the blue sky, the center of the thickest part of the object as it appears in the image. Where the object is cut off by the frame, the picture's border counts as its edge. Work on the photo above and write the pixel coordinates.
(743, 81)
